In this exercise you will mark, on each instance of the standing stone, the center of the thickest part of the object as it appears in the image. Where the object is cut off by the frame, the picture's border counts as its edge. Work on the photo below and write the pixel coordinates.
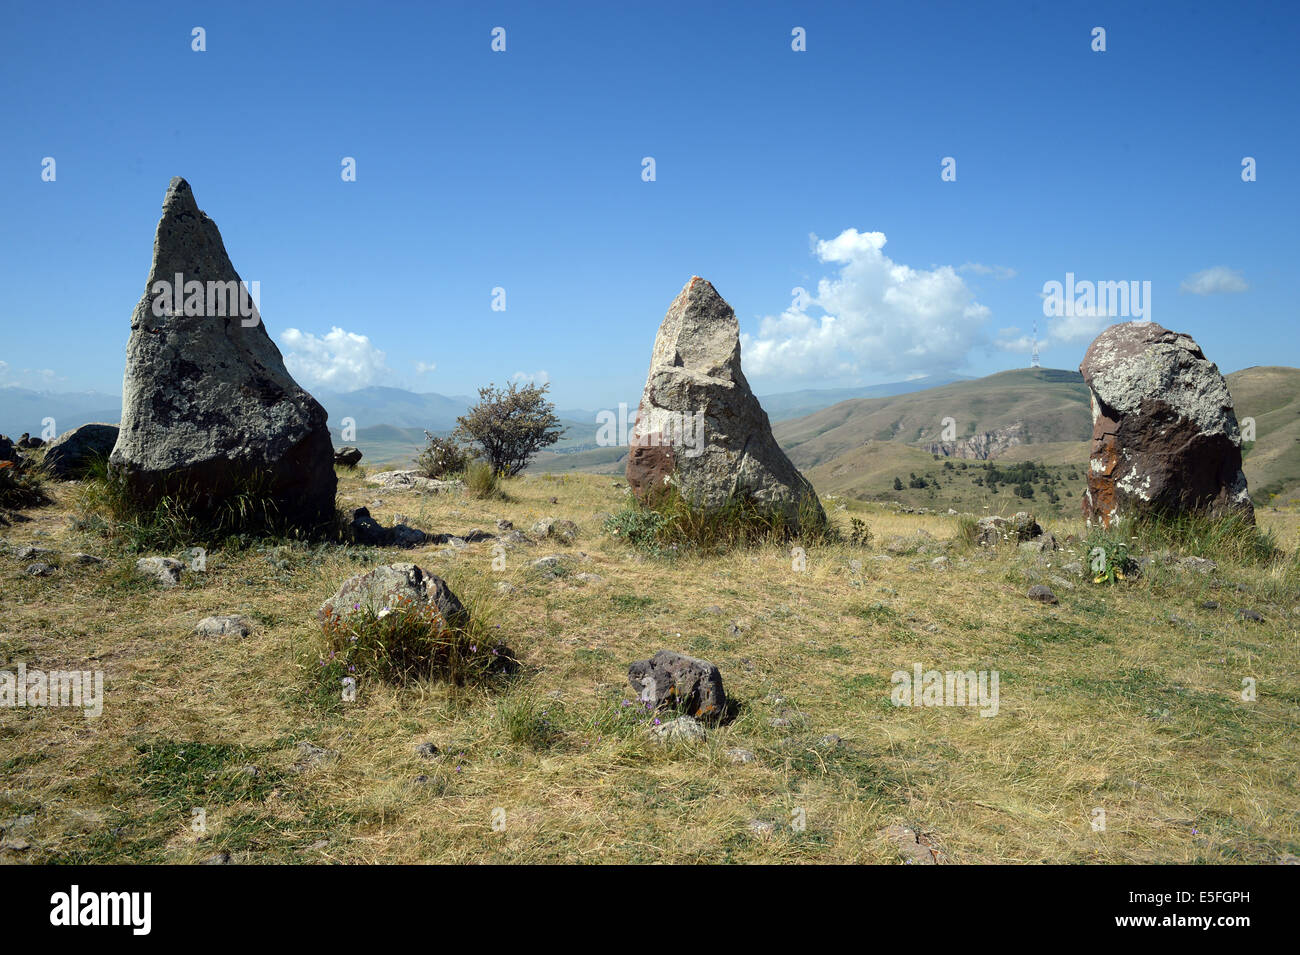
(71, 453)
(671, 679)
(208, 409)
(699, 424)
(1165, 439)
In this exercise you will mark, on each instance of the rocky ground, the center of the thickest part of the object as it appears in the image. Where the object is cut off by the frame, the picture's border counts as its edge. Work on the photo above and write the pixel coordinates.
(1121, 732)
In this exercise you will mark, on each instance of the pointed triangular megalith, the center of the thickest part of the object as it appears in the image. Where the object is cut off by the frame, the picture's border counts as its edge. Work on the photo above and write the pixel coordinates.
(700, 428)
(209, 410)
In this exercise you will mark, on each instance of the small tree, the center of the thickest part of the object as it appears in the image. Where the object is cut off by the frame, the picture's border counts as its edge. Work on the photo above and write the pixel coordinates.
(510, 425)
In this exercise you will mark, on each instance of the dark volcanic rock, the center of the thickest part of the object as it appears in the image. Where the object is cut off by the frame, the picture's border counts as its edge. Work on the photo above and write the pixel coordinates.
(347, 456)
(699, 424)
(1165, 439)
(71, 453)
(208, 408)
(671, 679)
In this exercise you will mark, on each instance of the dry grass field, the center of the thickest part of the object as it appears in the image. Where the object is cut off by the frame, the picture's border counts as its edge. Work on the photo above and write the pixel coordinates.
(1122, 698)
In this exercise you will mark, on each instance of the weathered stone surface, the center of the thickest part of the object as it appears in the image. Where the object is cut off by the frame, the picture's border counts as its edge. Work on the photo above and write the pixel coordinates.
(695, 382)
(224, 625)
(413, 480)
(71, 453)
(348, 456)
(1165, 438)
(671, 679)
(208, 408)
(682, 730)
(1042, 593)
(165, 570)
(392, 587)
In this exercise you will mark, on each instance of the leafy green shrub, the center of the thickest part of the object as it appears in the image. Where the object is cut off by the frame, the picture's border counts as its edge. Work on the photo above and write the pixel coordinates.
(968, 530)
(409, 642)
(859, 532)
(527, 721)
(510, 425)
(442, 456)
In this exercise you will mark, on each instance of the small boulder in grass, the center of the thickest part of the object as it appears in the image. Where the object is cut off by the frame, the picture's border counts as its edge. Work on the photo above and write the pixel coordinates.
(1043, 594)
(674, 680)
(224, 625)
(165, 570)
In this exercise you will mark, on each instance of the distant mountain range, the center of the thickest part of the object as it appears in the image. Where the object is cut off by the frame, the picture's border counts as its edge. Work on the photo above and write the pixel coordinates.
(394, 419)
(22, 409)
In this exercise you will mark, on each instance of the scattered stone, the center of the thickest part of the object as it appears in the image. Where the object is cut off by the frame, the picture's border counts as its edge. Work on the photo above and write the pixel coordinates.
(164, 570)
(208, 407)
(915, 848)
(504, 525)
(86, 559)
(310, 756)
(1074, 567)
(505, 587)
(391, 587)
(696, 398)
(1165, 438)
(739, 756)
(38, 570)
(413, 480)
(348, 456)
(427, 750)
(1254, 616)
(1198, 565)
(1042, 593)
(939, 563)
(683, 729)
(70, 454)
(589, 578)
(713, 609)
(1209, 605)
(28, 552)
(671, 679)
(762, 828)
(224, 626)
(221, 858)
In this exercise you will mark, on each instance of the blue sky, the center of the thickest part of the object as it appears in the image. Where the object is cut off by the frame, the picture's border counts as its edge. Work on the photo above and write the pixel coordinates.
(523, 170)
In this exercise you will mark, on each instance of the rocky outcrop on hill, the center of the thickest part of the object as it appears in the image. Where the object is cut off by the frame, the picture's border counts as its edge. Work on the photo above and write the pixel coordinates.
(1165, 438)
(981, 447)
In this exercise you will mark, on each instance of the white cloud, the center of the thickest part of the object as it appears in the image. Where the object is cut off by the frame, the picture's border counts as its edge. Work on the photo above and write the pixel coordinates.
(878, 317)
(32, 378)
(1219, 279)
(999, 272)
(338, 360)
(1083, 325)
(1013, 340)
(531, 378)
(425, 367)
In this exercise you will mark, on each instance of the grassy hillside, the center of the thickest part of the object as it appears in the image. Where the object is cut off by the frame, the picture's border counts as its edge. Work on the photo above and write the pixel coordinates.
(856, 448)
(1052, 405)
(1271, 395)
(1124, 698)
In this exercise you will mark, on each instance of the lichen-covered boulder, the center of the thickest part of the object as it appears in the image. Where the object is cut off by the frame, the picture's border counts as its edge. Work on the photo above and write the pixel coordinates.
(674, 680)
(392, 588)
(700, 427)
(1165, 439)
(209, 411)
